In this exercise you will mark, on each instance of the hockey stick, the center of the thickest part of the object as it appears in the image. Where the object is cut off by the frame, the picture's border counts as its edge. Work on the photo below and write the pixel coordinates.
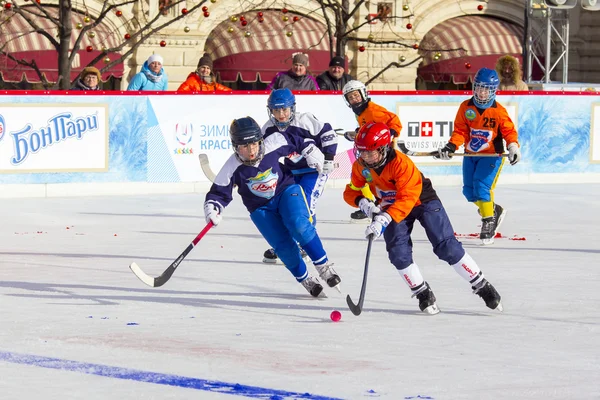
(357, 308)
(166, 275)
(402, 147)
(204, 164)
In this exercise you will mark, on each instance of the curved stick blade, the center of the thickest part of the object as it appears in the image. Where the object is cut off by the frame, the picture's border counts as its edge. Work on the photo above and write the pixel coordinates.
(356, 309)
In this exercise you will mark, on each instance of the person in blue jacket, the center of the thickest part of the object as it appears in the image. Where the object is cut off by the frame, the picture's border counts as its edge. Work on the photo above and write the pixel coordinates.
(276, 203)
(152, 76)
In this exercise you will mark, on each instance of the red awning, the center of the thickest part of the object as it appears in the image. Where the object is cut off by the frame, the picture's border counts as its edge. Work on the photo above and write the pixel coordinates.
(21, 42)
(482, 39)
(268, 49)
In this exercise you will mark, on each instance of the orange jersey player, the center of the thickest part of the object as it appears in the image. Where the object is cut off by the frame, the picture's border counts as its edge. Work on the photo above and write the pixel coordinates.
(482, 125)
(357, 98)
(404, 196)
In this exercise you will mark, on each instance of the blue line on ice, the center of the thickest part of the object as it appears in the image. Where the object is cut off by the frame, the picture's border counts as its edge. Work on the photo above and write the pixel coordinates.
(153, 377)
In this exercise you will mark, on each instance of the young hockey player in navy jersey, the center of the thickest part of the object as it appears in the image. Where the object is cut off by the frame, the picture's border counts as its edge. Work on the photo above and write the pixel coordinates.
(276, 203)
(281, 108)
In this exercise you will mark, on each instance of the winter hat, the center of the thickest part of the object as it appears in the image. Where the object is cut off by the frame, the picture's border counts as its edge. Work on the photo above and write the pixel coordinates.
(155, 57)
(337, 61)
(300, 58)
(90, 71)
(205, 60)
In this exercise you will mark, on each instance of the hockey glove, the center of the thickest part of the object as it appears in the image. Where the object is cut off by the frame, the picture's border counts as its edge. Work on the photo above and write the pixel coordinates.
(212, 213)
(444, 152)
(378, 225)
(328, 166)
(514, 153)
(368, 207)
(314, 157)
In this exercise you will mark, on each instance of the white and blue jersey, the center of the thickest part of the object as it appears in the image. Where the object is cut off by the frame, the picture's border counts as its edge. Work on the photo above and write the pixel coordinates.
(259, 183)
(308, 127)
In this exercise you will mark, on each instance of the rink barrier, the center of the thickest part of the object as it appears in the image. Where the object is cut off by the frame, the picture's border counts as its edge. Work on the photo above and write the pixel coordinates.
(116, 143)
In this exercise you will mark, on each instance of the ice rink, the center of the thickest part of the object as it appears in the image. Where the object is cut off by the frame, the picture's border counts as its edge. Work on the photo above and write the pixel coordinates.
(77, 324)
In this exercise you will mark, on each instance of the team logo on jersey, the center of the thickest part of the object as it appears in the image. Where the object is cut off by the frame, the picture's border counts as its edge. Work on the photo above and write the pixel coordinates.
(264, 184)
(2, 127)
(387, 197)
(295, 157)
(366, 173)
(470, 114)
(480, 140)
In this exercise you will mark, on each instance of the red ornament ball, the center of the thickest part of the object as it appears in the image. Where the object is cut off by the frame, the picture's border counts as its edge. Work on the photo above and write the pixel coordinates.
(203, 9)
(163, 43)
(184, 11)
(284, 10)
(244, 23)
(415, 46)
(118, 13)
(89, 49)
(260, 14)
(361, 49)
(127, 36)
(206, 14)
(296, 18)
(335, 316)
(408, 26)
(8, 6)
(480, 7)
(261, 20)
(468, 65)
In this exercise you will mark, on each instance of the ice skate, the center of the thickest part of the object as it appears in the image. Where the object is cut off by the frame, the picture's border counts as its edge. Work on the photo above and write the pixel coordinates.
(270, 257)
(499, 214)
(427, 300)
(488, 293)
(488, 230)
(328, 274)
(359, 217)
(312, 285)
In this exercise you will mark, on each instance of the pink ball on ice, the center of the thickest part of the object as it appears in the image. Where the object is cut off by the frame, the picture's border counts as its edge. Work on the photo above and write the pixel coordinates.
(335, 315)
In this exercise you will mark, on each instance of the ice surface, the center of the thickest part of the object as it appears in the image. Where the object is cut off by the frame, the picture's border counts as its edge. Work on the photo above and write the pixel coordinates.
(77, 324)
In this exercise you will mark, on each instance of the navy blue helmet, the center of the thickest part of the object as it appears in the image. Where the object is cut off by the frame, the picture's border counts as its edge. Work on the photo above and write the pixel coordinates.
(485, 85)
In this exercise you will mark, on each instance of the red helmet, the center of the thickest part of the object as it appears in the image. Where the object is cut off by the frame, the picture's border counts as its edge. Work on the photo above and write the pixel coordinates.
(373, 136)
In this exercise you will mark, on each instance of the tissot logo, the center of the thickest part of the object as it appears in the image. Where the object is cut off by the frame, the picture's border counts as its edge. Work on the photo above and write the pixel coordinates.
(433, 129)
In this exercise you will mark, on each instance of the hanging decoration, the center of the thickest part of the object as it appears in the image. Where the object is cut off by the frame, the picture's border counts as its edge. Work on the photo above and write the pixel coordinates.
(79, 25)
(233, 18)
(186, 29)
(127, 36)
(409, 26)
(284, 10)
(405, 7)
(370, 37)
(285, 18)
(8, 6)
(361, 48)
(468, 65)
(163, 43)
(92, 34)
(402, 58)
(86, 19)
(289, 33)
(296, 18)
(184, 11)
(119, 13)
(480, 7)
(415, 46)
(106, 60)
(247, 34)
(89, 49)
(230, 29)
(206, 14)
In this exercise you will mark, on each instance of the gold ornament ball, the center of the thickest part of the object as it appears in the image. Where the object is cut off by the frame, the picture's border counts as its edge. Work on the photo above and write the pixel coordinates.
(230, 29)
(402, 58)
(247, 34)
(405, 7)
(436, 57)
(86, 19)
(285, 18)
(79, 25)
(289, 33)
(104, 48)
(233, 19)
(186, 29)
(92, 34)
(106, 60)
(213, 1)
(370, 37)
(438, 54)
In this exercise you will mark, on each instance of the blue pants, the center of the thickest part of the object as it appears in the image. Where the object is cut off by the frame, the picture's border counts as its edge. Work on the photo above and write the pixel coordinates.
(479, 177)
(433, 218)
(313, 185)
(284, 222)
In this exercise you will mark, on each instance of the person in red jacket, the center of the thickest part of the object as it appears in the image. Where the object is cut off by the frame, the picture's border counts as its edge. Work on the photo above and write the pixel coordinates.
(202, 79)
(405, 196)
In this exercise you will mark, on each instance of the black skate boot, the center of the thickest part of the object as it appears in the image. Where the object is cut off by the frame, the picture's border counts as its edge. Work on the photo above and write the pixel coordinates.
(427, 300)
(270, 257)
(488, 293)
(488, 230)
(328, 274)
(499, 214)
(312, 285)
(358, 216)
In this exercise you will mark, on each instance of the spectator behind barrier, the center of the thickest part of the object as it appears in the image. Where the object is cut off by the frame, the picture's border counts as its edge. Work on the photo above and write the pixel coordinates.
(509, 71)
(335, 78)
(88, 80)
(152, 75)
(297, 77)
(203, 79)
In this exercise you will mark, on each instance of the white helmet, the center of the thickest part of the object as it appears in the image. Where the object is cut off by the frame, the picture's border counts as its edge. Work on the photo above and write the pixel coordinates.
(353, 86)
